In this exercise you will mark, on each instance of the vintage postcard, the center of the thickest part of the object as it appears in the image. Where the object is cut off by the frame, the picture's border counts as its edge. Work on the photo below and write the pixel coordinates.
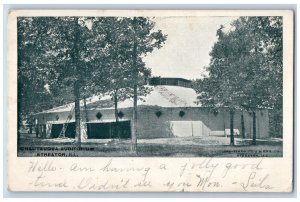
(150, 100)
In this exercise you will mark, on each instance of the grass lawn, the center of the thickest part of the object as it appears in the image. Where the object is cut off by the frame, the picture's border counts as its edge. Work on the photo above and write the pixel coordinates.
(162, 147)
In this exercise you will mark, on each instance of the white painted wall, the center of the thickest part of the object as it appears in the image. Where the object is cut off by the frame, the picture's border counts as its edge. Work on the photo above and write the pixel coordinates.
(187, 128)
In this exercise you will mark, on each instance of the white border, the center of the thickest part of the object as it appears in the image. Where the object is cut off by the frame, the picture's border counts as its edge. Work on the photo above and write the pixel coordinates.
(124, 2)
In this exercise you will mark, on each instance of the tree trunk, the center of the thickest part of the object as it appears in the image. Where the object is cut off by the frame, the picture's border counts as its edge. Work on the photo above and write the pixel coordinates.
(76, 63)
(77, 112)
(36, 131)
(134, 117)
(243, 126)
(86, 115)
(85, 110)
(134, 123)
(116, 107)
(254, 128)
(116, 114)
(231, 127)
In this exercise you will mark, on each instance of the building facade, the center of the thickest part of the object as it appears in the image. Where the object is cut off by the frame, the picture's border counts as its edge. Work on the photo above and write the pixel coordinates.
(170, 110)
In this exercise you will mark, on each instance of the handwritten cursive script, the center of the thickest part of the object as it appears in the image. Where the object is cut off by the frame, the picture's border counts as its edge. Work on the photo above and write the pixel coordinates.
(205, 174)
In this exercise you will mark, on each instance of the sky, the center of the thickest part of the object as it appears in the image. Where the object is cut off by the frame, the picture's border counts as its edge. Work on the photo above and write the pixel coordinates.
(186, 50)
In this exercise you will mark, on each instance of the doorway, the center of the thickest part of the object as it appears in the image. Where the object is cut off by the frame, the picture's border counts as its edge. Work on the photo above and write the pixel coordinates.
(57, 128)
(110, 130)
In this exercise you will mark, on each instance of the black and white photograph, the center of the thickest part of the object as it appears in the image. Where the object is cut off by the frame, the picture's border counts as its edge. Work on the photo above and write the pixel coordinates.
(150, 86)
(150, 100)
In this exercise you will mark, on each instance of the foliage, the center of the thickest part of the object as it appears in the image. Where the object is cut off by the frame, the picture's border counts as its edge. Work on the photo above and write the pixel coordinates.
(62, 59)
(246, 65)
(245, 71)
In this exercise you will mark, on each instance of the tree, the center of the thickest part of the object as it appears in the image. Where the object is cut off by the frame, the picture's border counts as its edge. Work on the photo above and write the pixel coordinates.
(91, 54)
(119, 69)
(143, 39)
(68, 48)
(118, 64)
(218, 89)
(33, 94)
(246, 66)
(261, 63)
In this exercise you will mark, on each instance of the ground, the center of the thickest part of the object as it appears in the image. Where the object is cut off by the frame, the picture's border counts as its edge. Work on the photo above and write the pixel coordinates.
(164, 147)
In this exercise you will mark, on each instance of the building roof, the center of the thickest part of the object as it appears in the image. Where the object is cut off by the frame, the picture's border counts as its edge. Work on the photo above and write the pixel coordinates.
(162, 96)
(170, 81)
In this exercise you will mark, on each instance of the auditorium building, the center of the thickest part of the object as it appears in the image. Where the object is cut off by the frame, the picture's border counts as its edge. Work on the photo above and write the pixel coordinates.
(170, 110)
